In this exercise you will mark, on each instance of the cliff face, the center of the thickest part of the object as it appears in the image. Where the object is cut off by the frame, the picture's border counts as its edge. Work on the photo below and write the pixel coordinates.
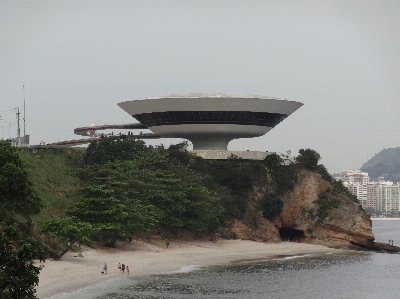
(312, 213)
(324, 217)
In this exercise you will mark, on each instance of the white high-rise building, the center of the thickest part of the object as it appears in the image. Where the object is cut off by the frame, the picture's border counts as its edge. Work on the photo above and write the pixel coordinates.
(362, 195)
(357, 183)
(383, 196)
(358, 190)
(387, 197)
(354, 177)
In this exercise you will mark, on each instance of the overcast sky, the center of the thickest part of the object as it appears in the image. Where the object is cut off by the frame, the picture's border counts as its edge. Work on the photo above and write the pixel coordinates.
(78, 59)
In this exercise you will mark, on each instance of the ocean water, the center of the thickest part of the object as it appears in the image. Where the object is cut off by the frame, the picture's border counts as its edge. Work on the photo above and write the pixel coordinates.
(331, 276)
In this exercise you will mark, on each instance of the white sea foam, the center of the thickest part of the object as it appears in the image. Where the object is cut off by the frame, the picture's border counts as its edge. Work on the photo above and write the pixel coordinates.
(293, 257)
(185, 269)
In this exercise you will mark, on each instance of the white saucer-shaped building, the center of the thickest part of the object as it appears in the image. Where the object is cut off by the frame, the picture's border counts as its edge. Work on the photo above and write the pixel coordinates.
(210, 121)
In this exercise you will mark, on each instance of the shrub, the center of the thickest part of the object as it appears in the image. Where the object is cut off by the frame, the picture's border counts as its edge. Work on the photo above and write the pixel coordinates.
(325, 205)
(284, 175)
(321, 169)
(339, 188)
(271, 206)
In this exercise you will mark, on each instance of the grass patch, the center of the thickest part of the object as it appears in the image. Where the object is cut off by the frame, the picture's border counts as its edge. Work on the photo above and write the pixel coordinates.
(51, 172)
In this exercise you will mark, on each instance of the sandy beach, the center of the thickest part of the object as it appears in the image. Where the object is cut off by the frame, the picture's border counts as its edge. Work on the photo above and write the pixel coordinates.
(72, 273)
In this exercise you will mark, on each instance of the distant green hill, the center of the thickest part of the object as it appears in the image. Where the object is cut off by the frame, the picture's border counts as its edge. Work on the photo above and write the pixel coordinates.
(385, 163)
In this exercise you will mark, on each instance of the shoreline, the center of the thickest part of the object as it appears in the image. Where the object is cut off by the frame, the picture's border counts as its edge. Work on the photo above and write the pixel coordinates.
(144, 259)
(387, 219)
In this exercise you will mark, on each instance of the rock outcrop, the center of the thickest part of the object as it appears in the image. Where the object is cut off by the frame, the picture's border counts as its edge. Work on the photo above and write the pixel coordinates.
(334, 221)
(314, 213)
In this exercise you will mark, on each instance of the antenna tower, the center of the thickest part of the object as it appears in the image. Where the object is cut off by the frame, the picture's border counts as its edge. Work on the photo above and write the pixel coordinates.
(23, 90)
(18, 122)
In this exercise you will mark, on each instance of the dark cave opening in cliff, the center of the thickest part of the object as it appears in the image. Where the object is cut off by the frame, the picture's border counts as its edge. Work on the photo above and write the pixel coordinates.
(291, 234)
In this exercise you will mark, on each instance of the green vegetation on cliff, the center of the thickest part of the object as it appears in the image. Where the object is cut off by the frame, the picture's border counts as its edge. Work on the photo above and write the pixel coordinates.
(171, 186)
(52, 175)
(122, 187)
(18, 203)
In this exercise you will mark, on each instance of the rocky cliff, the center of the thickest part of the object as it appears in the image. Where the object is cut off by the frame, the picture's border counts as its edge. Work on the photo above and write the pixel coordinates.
(314, 213)
(324, 217)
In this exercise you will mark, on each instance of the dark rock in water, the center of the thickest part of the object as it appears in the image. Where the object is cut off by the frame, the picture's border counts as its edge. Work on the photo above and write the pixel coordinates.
(384, 247)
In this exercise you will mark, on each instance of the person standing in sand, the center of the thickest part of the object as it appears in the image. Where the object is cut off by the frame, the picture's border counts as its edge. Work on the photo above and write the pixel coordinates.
(127, 270)
(105, 268)
(119, 266)
(123, 268)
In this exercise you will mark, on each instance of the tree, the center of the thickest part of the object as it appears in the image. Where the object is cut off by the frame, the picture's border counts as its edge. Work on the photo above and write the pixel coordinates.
(111, 149)
(18, 276)
(308, 158)
(138, 194)
(69, 231)
(18, 200)
(203, 211)
(104, 212)
(17, 196)
(138, 187)
(146, 184)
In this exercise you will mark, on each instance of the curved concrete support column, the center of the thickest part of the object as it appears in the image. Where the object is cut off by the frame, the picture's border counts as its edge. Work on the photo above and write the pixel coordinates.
(210, 142)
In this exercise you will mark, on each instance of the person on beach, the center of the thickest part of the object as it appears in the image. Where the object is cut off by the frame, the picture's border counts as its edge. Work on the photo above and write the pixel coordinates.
(119, 266)
(127, 270)
(123, 268)
(105, 268)
(166, 243)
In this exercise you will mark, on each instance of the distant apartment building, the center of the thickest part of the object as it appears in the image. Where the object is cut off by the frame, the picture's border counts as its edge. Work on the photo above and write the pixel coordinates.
(383, 196)
(371, 197)
(387, 197)
(360, 191)
(396, 198)
(357, 183)
(362, 195)
(354, 177)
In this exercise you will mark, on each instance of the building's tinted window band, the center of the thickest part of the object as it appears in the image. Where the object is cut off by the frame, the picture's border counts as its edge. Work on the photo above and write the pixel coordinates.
(210, 117)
